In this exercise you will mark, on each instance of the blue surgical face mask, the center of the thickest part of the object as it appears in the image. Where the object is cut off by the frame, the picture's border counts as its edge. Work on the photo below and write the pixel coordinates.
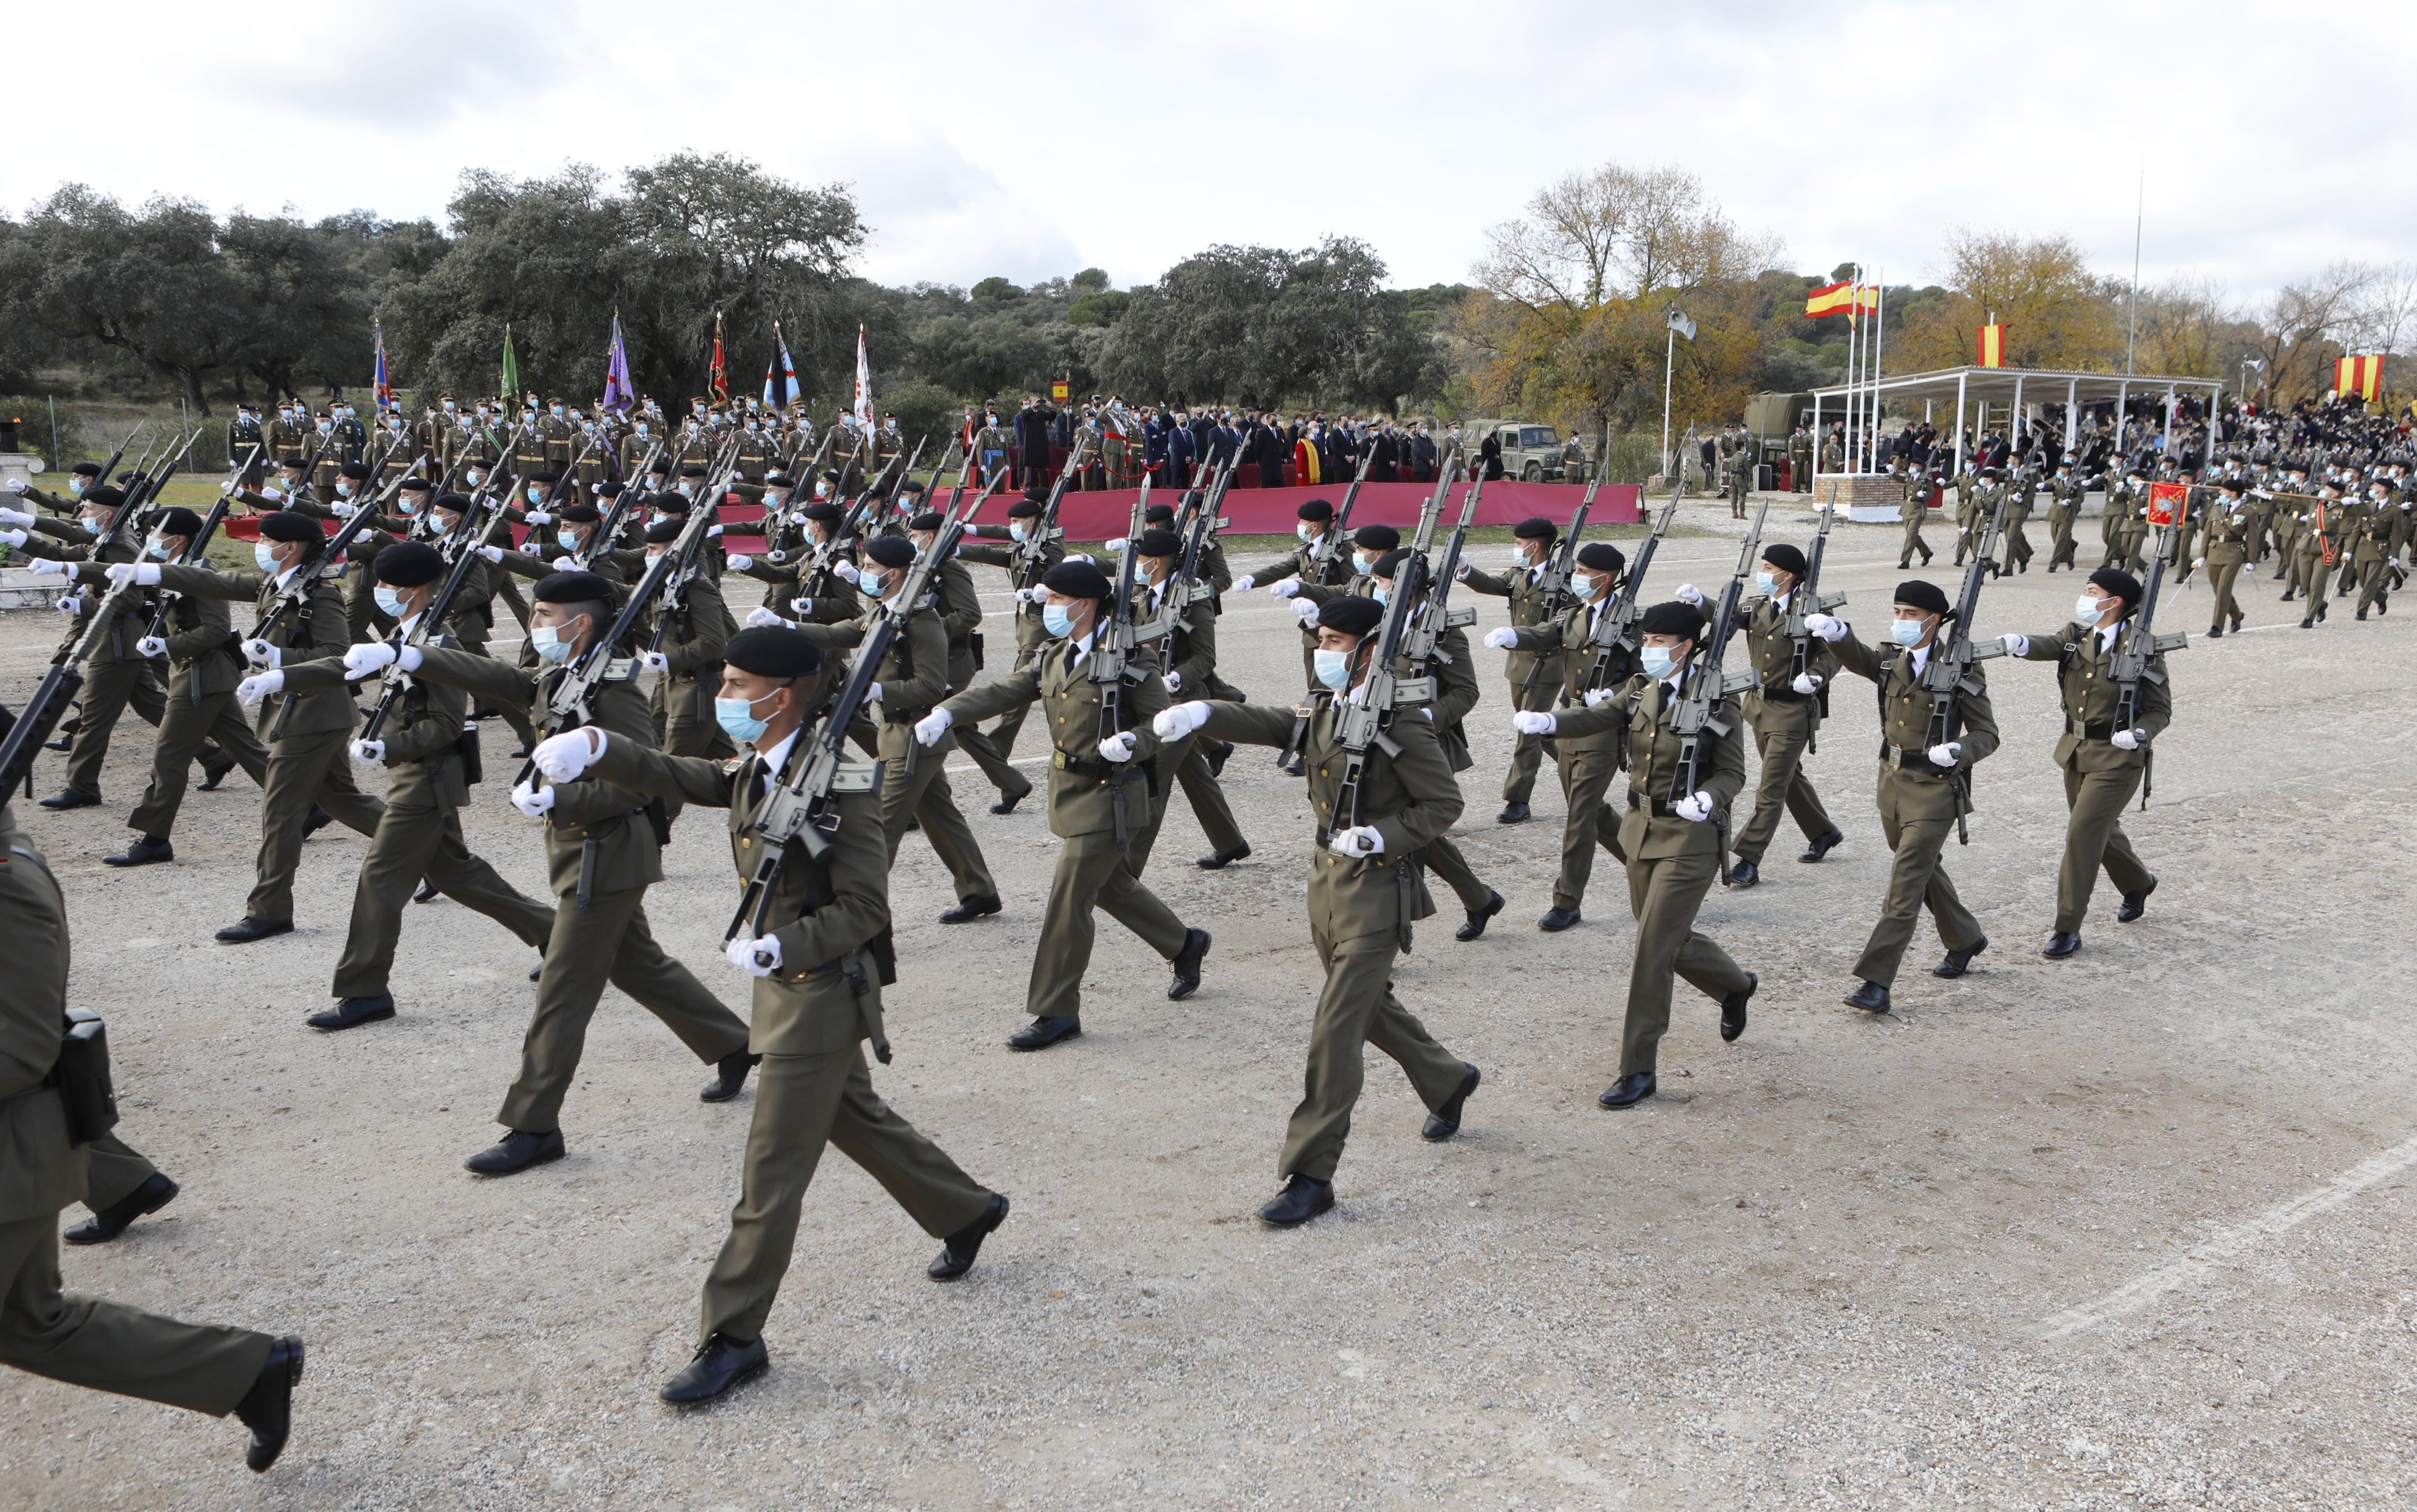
(1382, 593)
(157, 548)
(389, 602)
(2086, 609)
(1765, 582)
(1906, 631)
(1305, 531)
(570, 539)
(876, 584)
(262, 557)
(1058, 619)
(737, 717)
(1585, 587)
(1334, 669)
(1657, 660)
(1015, 529)
(548, 645)
(1361, 566)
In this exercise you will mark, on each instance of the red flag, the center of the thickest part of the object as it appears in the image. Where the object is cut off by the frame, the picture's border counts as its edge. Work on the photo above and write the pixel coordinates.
(719, 381)
(2166, 501)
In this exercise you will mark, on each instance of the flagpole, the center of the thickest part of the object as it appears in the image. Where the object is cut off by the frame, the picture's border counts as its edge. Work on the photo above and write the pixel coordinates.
(1854, 368)
(1880, 341)
(1669, 357)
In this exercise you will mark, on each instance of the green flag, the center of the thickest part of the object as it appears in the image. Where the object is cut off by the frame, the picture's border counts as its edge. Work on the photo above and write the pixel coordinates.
(512, 379)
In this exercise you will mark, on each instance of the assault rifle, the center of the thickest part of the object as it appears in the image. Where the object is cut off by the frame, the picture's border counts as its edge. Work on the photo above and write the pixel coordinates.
(1111, 664)
(706, 505)
(432, 619)
(1950, 676)
(1703, 711)
(1045, 529)
(2140, 643)
(1614, 639)
(1808, 599)
(198, 546)
(801, 498)
(1554, 585)
(1423, 641)
(1338, 533)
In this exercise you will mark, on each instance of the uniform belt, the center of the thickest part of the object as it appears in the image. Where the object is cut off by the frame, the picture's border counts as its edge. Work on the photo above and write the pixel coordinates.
(1081, 766)
(2092, 731)
(1908, 759)
(50, 1079)
(1783, 695)
(1660, 808)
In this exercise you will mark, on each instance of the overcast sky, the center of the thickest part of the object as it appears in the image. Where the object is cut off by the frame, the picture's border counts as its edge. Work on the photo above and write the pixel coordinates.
(997, 140)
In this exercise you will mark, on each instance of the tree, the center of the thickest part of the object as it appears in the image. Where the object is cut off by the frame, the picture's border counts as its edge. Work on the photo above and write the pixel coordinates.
(149, 285)
(306, 303)
(2057, 313)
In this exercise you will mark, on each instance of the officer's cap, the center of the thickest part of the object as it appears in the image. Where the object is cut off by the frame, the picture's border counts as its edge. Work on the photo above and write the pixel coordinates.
(773, 651)
(1785, 557)
(1673, 618)
(180, 520)
(1375, 538)
(569, 588)
(1353, 615)
(1158, 543)
(1926, 597)
(409, 565)
(1077, 577)
(890, 550)
(1316, 509)
(2118, 582)
(1602, 555)
(1538, 529)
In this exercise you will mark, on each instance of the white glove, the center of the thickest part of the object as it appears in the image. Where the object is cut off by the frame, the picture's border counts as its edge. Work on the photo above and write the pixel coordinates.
(12, 538)
(531, 548)
(1245, 583)
(1460, 573)
(151, 645)
(1116, 545)
(801, 607)
(45, 567)
(342, 510)
(1178, 721)
(15, 517)
(760, 615)
(538, 517)
(367, 660)
(563, 757)
(1534, 723)
(713, 530)
(272, 492)
(1117, 748)
(2125, 740)
(1032, 595)
(1363, 841)
(227, 487)
(655, 661)
(2198, 560)
(564, 564)
(845, 571)
(1832, 630)
(532, 801)
(759, 957)
(1502, 637)
(1285, 589)
(1695, 808)
(1946, 755)
(259, 686)
(740, 562)
(367, 751)
(931, 727)
(2019, 645)
(492, 553)
(1597, 697)
(1690, 595)
(1308, 612)
(1806, 683)
(872, 691)
(261, 654)
(1173, 680)
(142, 574)
(15, 485)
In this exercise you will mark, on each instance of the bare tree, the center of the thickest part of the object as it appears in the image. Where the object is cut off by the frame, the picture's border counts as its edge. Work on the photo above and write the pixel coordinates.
(1618, 233)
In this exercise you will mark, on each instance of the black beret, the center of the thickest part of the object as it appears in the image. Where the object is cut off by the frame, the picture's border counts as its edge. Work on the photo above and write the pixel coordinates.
(777, 480)
(356, 471)
(825, 514)
(285, 525)
(668, 504)
(569, 588)
(1601, 555)
(1316, 509)
(660, 465)
(1352, 615)
(610, 491)
(1158, 543)
(450, 503)
(415, 485)
(1034, 496)
(1988, 472)
(911, 486)
(409, 564)
(1077, 577)
(294, 463)
(1024, 510)
(1674, 618)
(928, 519)
(1388, 566)
(1921, 595)
(692, 470)
(890, 550)
(2118, 582)
(2234, 485)
(580, 514)
(107, 495)
(1159, 514)
(664, 530)
(545, 477)
(1377, 537)
(87, 469)
(1786, 558)
(1538, 529)
(179, 521)
(773, 651)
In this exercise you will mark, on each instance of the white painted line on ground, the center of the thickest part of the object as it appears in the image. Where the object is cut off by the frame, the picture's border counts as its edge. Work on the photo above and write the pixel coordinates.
(2196, 1262)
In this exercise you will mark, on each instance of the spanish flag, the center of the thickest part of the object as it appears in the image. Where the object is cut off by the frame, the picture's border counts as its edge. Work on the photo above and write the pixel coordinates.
(1993, 345)
(1842, 299)
(2362, 376)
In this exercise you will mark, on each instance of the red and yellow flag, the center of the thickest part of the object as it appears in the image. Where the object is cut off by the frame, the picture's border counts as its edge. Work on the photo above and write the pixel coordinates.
(1841, 299)
(2167, 501)
(1993, 345)
(2362, 376)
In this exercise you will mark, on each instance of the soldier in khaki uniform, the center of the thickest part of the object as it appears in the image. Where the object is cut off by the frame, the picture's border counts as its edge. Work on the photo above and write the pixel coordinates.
(1975, 497)
(603, 852)
(2065, 490)
(1026, 563)
(422, 745)
(1672, 845)
(2316, 537)
(690, 636)
(1366, 889)
(961, 616)
(1740, 466)
(1921, 488)
(2102, 764)
(1589, 762)
(310, 776)
(1783, 707)
(1188, 652)
(818, 970)
(2022, 493)
(2374, 540)
(2231, 527)
(1100, 798)
(82, 1341)
(1923, 788)
(1316, 525)
(1535, 677)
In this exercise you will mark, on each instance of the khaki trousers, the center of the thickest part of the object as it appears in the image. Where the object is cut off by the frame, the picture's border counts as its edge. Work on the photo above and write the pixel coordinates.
(1092, 874)
(412, 843)
(303, 770)
(1444, 861)
(1913, 542)
(606, 941)
(1916, 879)
(1783, 785)
(1664, 896)
(2094, 837)
(925, 798)
(803, 1103)
(2221, 575)
(1358, 1008)
(108, 1346)
(185, 726)
(110, 686)
(1527, 754)
(1188, 762)
(2059, 535)
(1586, 776)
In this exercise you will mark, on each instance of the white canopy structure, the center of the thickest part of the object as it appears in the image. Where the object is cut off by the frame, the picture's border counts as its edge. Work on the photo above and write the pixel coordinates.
(2014, 392)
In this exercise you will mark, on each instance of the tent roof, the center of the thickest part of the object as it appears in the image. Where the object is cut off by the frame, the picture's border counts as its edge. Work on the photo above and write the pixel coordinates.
(1997, 386)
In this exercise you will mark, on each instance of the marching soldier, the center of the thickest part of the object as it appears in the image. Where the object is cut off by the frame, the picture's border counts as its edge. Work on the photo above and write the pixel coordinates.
(1099, 800)
(1970, 490)
(1457, 692)
(82, 1340)
(1919, 491)
(818, 969)
(1587, 762)
(1189, 655)
(1026, 564)
(1783, 708)
(1534, 675)
(2375, 542)
(603, 850)
(2315, 548)
(1317, 523)
(2020, 497)
(2065, 491)
(1923, 787)
(960, 614)
(690, 637)
(2231, 526)
(2102, 764)
(1672, 847)
(1365, 891)
(2130, 523)
(423, 746)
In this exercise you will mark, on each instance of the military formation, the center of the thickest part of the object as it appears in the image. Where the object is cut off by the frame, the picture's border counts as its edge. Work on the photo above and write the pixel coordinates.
(819, 722)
